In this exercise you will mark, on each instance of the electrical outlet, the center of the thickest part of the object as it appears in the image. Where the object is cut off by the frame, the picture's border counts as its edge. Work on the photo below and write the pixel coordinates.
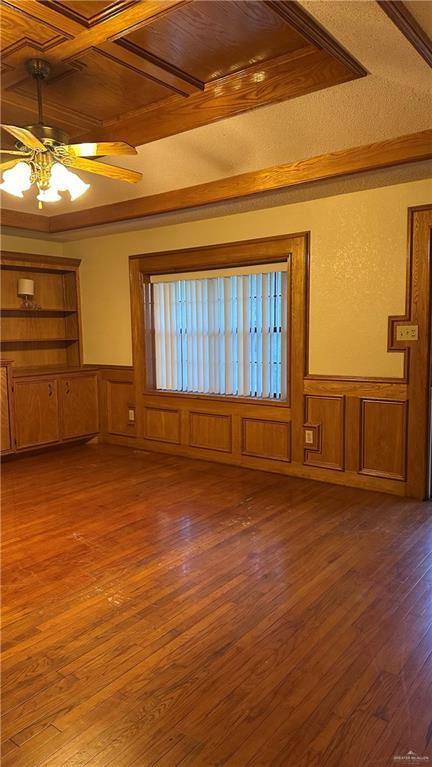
(407, 333)
(309, 437)
(131, 414)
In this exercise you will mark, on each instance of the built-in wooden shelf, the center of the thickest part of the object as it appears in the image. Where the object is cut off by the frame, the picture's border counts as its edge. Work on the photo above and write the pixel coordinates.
(38, 341)
(49, 336)
(16, 310)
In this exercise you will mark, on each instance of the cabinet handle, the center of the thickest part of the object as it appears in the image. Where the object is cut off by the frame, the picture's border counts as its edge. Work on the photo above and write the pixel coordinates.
(50, 390)
(67, 387)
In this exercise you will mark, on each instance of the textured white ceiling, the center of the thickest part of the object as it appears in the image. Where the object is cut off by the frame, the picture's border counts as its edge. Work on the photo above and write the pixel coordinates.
(395, 98)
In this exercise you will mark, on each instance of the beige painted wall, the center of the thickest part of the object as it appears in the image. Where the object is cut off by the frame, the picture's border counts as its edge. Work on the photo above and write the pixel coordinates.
(31, 245)
(358, 261)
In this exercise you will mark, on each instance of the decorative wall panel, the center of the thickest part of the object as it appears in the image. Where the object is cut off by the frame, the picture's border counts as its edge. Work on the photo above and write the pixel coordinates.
(383, 434)
(210, 431)
(266, 439)
(162, 424)
(327, 413)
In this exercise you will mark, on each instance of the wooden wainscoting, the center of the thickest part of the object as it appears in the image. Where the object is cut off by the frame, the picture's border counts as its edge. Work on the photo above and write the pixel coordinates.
(212, 428)
(117, 402)
(365, 432)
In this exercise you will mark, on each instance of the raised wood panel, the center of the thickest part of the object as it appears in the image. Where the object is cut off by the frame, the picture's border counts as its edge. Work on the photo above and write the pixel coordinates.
(162, 424)
(210, 431)
(266, 439)
(328, 414)
(383, 435)
(120, 400)
(79, 406)
(36, 412)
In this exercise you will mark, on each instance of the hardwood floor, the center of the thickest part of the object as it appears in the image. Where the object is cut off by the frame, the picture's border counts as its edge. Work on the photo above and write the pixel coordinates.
(162, 611)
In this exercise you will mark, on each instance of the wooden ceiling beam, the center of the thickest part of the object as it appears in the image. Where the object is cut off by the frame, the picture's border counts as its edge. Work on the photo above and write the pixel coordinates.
(31, 222)
(132, 17)
(413, 147)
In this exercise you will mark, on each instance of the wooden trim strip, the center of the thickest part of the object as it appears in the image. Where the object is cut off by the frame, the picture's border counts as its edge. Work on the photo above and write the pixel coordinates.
(28, 221)
(410, 28)
(360, 388)
(382, 154)
(9, 257)
(413, 147)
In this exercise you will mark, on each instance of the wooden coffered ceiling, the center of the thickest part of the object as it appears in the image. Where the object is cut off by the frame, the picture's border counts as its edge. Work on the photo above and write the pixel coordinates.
(140, 70)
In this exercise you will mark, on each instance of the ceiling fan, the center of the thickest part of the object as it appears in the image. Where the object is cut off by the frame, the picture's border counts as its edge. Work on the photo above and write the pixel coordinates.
(43, 155)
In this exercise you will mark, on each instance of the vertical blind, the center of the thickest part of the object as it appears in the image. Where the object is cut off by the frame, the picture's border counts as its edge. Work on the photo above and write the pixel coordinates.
(222, 334)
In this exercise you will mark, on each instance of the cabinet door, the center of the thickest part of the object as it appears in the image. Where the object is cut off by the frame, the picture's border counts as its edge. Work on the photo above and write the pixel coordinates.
(36, 412)
(79, 406)
(6, 443)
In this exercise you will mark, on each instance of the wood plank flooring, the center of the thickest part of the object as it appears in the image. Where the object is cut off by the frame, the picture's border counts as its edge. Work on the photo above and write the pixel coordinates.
(162, 611)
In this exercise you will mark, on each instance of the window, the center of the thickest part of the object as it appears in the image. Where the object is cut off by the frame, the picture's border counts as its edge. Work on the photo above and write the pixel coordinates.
(222, 332)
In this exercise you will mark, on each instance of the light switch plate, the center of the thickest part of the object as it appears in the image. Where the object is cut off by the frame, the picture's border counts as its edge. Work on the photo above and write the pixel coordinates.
(131, 414)
(407, 333)
(309, 437)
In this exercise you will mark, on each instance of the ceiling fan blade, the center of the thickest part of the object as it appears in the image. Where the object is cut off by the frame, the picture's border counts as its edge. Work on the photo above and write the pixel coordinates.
(26, 138)
(8, 164)
(100, 148)
(14, 151)
(92, 166)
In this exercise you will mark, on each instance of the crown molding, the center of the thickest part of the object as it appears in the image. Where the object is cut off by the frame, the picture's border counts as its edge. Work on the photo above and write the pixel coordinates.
(413, 147)
(15, 219)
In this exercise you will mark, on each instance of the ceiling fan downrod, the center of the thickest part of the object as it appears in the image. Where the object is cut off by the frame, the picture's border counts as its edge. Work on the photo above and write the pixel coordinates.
(39, 70)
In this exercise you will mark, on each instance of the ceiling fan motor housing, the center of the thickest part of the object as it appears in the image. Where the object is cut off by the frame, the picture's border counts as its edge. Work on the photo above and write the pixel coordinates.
(49, 135)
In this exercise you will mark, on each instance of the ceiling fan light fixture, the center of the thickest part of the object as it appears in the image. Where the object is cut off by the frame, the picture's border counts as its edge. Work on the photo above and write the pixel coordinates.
(65, 181)
(17, 180)
(49, 195)
(49, 155)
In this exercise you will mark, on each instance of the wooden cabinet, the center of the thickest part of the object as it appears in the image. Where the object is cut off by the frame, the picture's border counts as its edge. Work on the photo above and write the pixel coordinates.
(36, 412)
(52, 398)
(79, 406)
(52, 409)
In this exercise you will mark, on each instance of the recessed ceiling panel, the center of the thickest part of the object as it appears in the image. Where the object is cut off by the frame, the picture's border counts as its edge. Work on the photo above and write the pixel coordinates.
(97, 86)
(211, 39)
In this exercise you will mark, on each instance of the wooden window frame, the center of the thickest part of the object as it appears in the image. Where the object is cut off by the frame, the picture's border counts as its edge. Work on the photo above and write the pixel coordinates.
(209, 258)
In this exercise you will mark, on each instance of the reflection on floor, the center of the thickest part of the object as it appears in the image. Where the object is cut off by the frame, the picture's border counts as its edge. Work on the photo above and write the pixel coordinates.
(164, 611)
